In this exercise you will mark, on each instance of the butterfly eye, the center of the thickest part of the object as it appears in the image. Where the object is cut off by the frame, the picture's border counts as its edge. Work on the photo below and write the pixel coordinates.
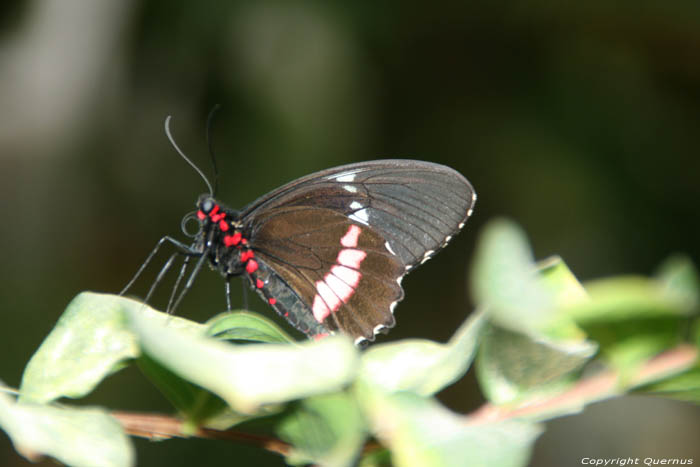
(186, 220)
(207, 205)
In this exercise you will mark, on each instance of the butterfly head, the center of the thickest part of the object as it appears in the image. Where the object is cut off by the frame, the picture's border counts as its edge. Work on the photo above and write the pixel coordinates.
(205, 205)
(212, 214)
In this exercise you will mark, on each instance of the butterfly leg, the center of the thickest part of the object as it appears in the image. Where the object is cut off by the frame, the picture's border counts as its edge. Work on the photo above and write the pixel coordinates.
(245, 295)
(160, 276)
(228, 293)
(183, 269)
(181, 247)
(190, 281)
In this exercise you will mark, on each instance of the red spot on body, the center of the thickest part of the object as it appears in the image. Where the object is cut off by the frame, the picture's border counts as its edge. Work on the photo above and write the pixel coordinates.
(214, 211)
(272, 301)
(201, 216)
(259, 284)
(244, 241)
(223, 225)
(218, 217)
(230, 240)
(246, 255)
(251, 266)
(286, 314)
(319, 336)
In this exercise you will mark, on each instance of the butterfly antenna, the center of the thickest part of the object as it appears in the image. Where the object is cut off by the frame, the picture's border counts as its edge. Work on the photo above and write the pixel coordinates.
(182, 154)
(210, 119)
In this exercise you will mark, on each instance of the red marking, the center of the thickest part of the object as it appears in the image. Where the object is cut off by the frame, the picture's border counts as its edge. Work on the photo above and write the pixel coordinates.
(259, 284)
(272, 301)
(349, 240)
(286, 314)
(246, 255)
(201, 216)
(244, 241)
(218, 217)
(223, 225)
(230, 240)
(322, 335)
(251, 266)
(214, 211)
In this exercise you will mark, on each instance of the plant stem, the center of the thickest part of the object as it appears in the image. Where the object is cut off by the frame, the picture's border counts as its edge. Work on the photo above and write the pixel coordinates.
(593, 389)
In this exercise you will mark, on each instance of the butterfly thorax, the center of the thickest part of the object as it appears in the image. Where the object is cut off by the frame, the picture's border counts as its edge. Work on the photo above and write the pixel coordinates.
(223, 239)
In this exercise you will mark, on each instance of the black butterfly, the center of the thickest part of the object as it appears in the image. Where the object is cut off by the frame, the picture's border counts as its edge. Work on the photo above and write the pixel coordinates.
(328, 251)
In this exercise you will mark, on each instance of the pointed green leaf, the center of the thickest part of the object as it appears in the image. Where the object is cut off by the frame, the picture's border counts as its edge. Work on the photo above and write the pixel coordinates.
(557, 278)
(565, 291)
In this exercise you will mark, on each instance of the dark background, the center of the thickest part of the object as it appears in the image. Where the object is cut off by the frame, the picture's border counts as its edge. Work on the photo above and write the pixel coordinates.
(580, 121)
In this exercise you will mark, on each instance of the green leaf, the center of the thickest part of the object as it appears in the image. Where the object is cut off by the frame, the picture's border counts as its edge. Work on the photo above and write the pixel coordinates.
(420, 365)
(420, 431)
(629, 297)
(196, 405)
(74, 436)
(246, 326)
(634, 318)
(685, 387)
(324, 430)
(90, 341)
(249, 376)
(557, 278)
(504, 280)
(679, 279)
(564, 290)
(512, 366)
(379, 457)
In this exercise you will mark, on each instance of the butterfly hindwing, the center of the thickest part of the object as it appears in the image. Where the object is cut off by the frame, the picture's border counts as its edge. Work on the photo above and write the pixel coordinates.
(342, 272)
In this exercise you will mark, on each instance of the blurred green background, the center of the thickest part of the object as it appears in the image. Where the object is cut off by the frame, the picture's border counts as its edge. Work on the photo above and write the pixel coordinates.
(581, 121)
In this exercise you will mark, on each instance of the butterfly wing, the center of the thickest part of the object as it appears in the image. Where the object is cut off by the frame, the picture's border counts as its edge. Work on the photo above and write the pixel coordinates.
(341, 240)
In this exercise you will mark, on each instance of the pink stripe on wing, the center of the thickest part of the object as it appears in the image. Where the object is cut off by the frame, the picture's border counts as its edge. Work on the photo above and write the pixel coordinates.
(348, 275)
(351, 258)
(350, 238)
(339, 284)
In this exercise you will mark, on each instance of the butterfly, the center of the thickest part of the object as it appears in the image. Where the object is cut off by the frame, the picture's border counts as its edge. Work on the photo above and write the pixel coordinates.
(328, 251)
